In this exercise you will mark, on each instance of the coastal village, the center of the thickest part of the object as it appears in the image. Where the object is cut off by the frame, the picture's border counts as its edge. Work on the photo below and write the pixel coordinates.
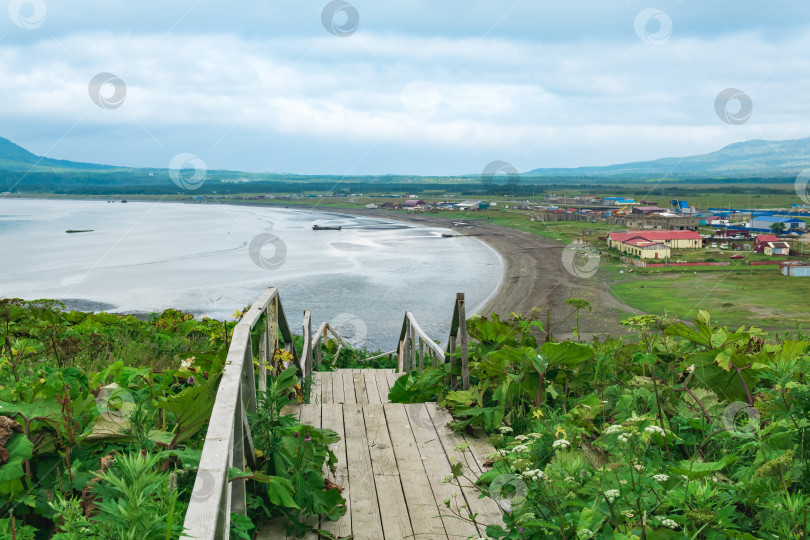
(648, 235)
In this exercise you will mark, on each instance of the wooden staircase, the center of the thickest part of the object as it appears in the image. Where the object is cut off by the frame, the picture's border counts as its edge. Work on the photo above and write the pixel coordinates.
(392, 458)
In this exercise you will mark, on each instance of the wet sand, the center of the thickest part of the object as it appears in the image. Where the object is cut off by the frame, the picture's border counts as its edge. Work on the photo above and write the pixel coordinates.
(534, 277)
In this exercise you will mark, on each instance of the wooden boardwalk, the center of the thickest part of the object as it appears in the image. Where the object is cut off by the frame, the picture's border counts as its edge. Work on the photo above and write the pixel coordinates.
(391, 461)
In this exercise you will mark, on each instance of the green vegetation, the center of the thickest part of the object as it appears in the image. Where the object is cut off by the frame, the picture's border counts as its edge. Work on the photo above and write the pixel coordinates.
(736, 296)
(693, 432)
(102, 420)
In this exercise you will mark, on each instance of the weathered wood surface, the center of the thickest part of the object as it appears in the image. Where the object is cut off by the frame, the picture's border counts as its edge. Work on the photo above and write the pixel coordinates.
(391, 462)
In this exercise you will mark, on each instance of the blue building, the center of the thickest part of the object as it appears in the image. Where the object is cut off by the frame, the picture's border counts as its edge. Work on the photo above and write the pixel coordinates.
(765, 222)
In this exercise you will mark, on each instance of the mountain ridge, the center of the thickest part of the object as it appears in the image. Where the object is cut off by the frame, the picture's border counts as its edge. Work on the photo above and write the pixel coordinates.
(751, 158)
(748, 158)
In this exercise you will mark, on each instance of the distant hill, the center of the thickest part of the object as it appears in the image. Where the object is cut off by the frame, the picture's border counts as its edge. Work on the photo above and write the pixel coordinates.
(750, 158)
(16, 158)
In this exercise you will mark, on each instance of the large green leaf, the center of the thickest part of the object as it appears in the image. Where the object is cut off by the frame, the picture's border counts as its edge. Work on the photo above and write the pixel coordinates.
(487, 331)
(19, 449)
(191, 408)
(568, 353)
(692, 469)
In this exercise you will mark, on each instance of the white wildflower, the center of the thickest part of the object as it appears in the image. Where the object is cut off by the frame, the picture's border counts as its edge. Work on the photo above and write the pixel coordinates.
(584, 534)
(615, 428)
(521, 438)
(639, 467)
(623, 438)
(623, 482)
(186, 364)
(520, 448)
(562, 444)
(655, 429)
(505, 429)
(612, 494)
(666, 522)
(534, 474)
(661, 477)
(535, 435)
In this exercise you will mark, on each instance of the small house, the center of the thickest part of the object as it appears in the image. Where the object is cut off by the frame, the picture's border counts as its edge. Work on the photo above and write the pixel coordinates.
(777, 248)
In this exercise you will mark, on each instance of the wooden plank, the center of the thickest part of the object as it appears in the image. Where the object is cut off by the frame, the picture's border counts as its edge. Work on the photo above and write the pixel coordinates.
(360, 386)
(449, 438)
(338, 395)
(422, 508)
(437, 467)
(293, 409)
(365, 510)
(316, 389)
(326, 387)
(486, 508)
(392, 378)
(349, 395)
(271, 529)
(332, 418)
(370, 378)
(382, 385)
(395, 520)
(311, 414)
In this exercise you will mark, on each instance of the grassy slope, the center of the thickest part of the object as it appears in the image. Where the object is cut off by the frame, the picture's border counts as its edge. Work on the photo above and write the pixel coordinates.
(761, 297)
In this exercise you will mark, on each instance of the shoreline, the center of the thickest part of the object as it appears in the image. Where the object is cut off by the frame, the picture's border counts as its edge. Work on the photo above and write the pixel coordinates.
(533, 277)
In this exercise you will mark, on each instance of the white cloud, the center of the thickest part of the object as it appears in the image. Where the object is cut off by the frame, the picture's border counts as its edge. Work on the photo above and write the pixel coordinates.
(536, 103)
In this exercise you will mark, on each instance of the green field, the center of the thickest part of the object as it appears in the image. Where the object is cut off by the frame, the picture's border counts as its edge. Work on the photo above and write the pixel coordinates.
(737, 297)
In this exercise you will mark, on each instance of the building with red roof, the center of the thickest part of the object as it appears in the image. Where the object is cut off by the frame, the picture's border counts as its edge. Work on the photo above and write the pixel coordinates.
(672, 239)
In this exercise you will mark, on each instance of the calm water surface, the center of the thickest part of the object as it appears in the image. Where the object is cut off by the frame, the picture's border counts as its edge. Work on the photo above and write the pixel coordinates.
(211, 259)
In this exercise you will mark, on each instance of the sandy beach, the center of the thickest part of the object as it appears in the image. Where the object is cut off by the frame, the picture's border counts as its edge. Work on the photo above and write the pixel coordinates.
(534, 276)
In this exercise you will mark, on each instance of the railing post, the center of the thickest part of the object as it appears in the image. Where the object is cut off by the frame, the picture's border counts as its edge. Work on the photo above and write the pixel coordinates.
(263, 361)
(238, 492)
(451, 349)
(401, 356)
(462, 328)
(306, 361)
(421, 355)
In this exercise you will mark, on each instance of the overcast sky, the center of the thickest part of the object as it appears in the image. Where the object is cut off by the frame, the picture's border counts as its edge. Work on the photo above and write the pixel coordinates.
(418, 87)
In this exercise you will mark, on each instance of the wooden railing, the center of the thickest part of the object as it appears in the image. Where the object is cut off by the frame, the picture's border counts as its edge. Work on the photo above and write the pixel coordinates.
(414, 344)
(228, 442)
(312, 343)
